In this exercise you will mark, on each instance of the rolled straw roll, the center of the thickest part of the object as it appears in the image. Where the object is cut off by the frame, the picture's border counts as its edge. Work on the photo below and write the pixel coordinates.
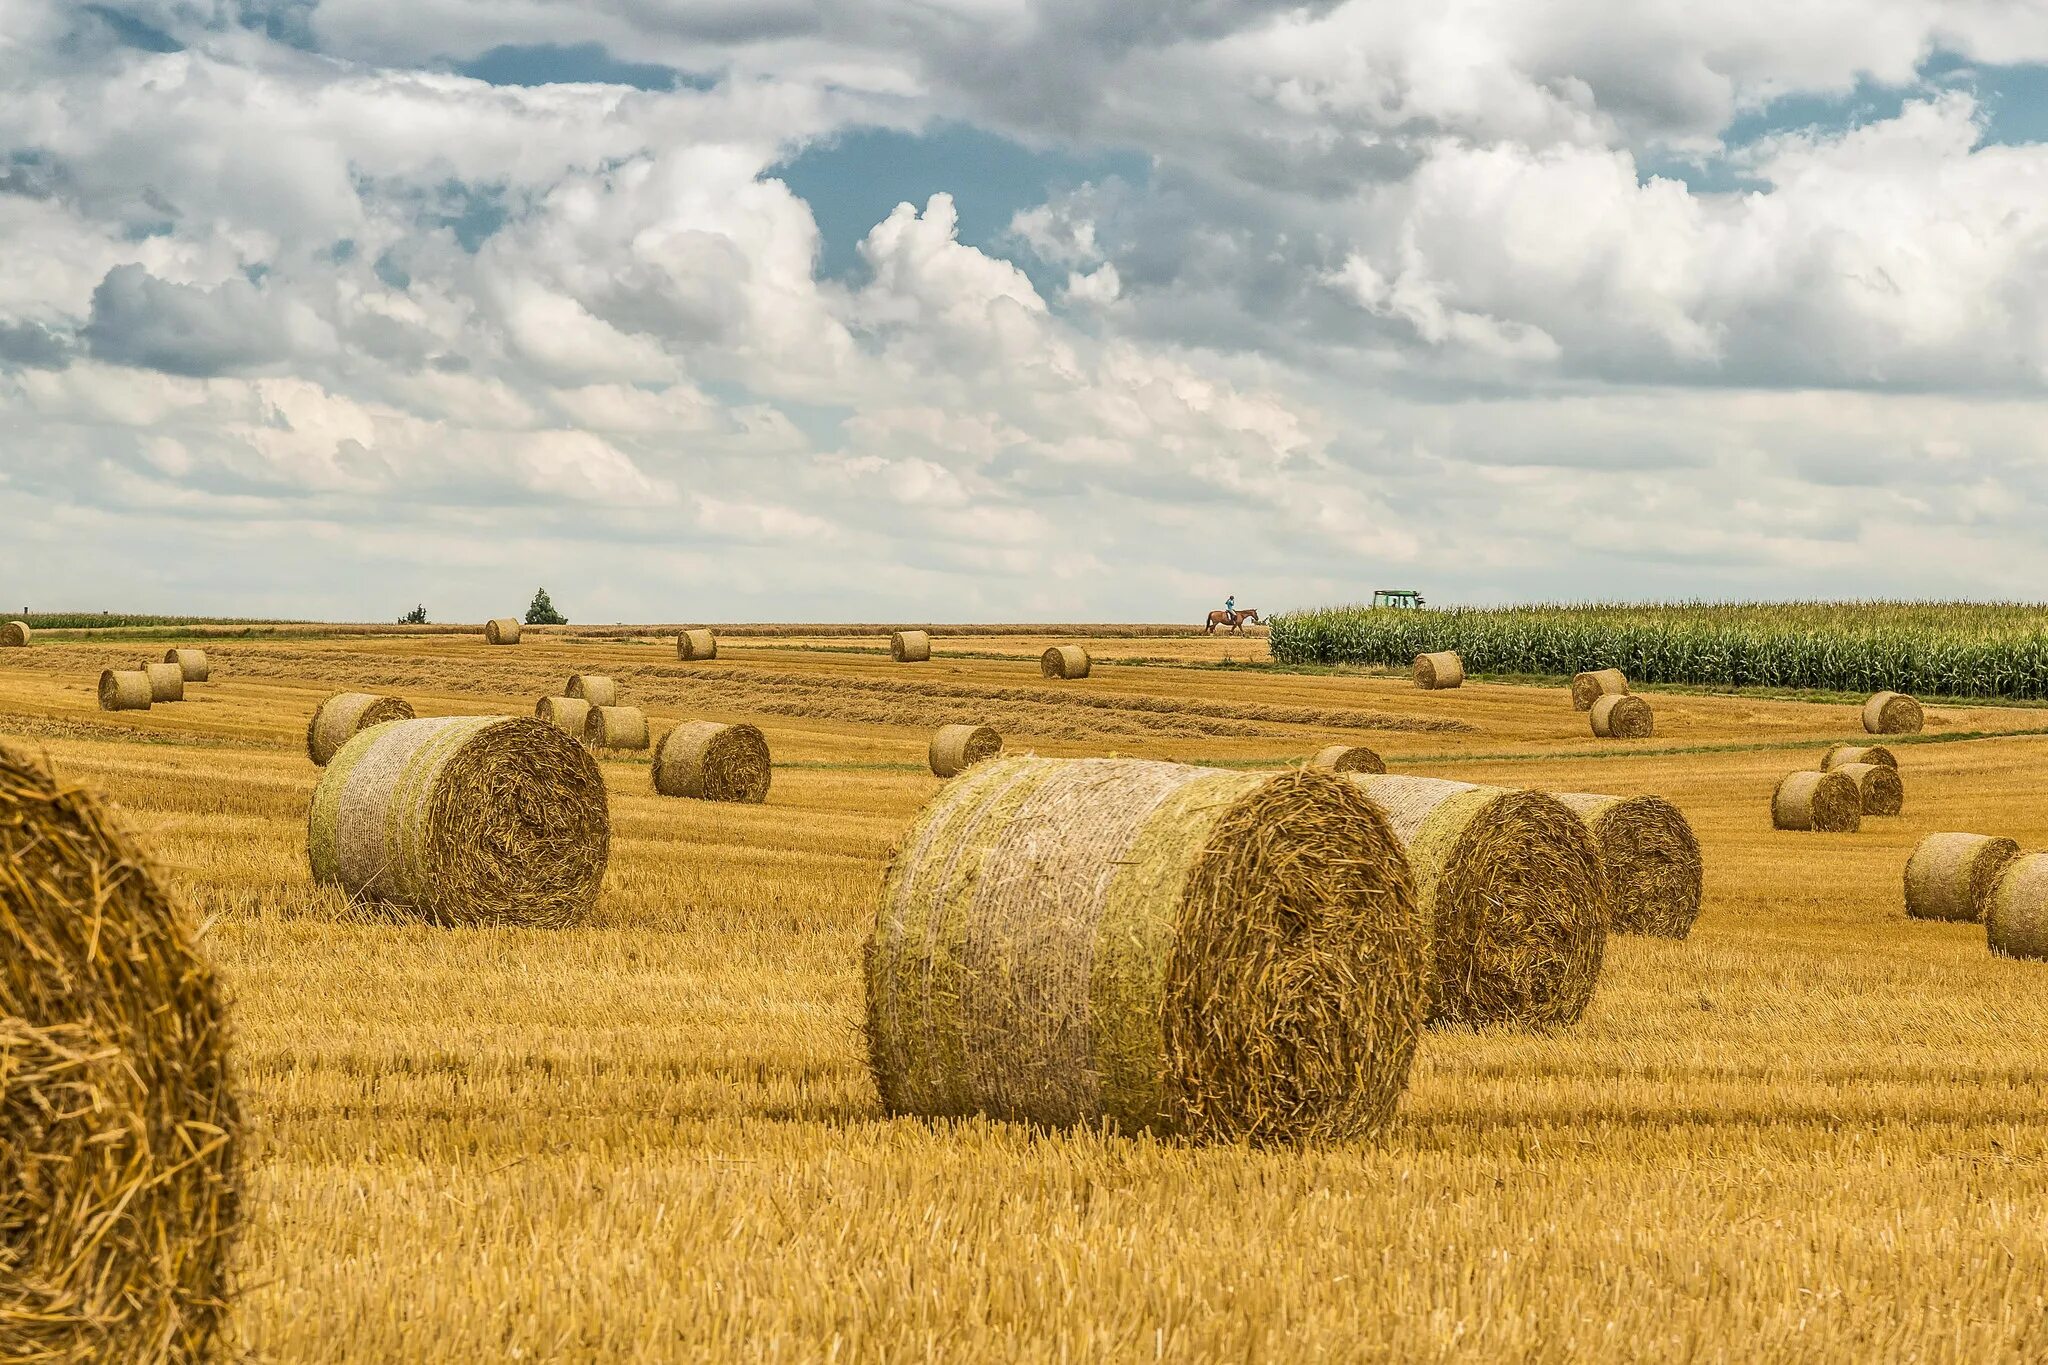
(1512, 882)
(1433, 672)
(338, 719)
(1230, 957)
(124, 689)
(567, 714)
(1651, 858)
(119, 1128)
(910, 646)
(1877, 787)
(191, 662)
(503, 631)
(594, 688)
(14, 635)
(1347, 758)
(1951, 876)
(693, 645)
(464, 820)
(1588, 688)
(711, 762)
(1620, 716)
(1064, 661)
(1844, 754)
(1828, 803)
(2016, 916)
(615, 727)
(956, 748)
(1892, 713)
(166, 682)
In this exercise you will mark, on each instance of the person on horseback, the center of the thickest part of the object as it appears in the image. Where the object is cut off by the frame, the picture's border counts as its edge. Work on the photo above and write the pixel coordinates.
(1230, 605)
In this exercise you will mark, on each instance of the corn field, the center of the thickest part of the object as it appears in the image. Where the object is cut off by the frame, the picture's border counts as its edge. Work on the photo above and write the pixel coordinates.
(1960, 649)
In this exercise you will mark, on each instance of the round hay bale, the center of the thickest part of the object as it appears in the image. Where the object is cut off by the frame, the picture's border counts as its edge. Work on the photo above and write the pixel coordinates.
(567, 714)
(120, 1134)
(1347, 758)
(1229, 957)
(124, 689)
(1843, 754)
(1621, 716)
(707, 761)
(503, 631)
(615, 727)
(1588, 688)
(1827, 803)
(1064, 661)
(1651, 858)
(910, 646)
(2016, 915)
(1951, 876)
(1512, 883)
(1892, 713)
(1434, 672)
(191, 662)
(14, 635)
(1877, 787)
(956, 748)
(464, 820)
(166, 682)
(594, 688)
(696, 645)
(342, 716)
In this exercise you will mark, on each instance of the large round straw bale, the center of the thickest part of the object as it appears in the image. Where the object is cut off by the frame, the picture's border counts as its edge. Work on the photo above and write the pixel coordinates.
(615, 727)
(1434, 672)
(910, 646)
(567, 714)
(1512, 882)
(1825, 802)
(338, 719)
(712, 762)
(696, 645)
(119, 1128)
(1651, 858)
(1064, 661)
(2016, 916)
(1877, 787)
(464, 820)
(1347, 758)
(191, 662)
(14, 635)
(955, 748)
(1588, 688)
(166, 682)
(1234, 957)
(1951, 876)
(1843, 754)
(124, 689)
(594, 688)
(1892, 713)
(1621, 716)
(503, 631)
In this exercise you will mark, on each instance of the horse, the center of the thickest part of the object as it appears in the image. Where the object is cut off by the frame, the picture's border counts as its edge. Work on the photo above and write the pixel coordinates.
(1236, 620)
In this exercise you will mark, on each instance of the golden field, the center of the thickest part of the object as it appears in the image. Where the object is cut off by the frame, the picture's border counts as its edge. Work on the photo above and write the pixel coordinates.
(1811, 1131)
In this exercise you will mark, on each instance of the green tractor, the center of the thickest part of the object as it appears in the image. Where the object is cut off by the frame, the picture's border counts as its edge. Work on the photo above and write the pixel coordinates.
(1396, 597)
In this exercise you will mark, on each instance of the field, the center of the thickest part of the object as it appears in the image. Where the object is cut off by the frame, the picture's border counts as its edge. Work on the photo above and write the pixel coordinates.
(1811, 1131)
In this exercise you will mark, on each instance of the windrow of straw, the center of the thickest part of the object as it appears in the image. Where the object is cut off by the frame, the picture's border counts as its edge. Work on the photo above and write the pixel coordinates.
(2016, 916)
(1232, 957)
(1877, 787)
(567, 714)
(1827, 803)
(166, 682)
(1512, 883)
(14, 635)
(119, 1128)
(1434, 672)
(503, 631)
(1588, 688)
(464, 820)
(342, 716)
(615, 727)
(1843, 754)
(1892, 713)
(1064, 661)
(693, 646)
(1621, 716)
(125, 689)
(707, 761)
(191, 662)
(910, 646)
(1952, 876)
(956, 748)
(594, 688)
(1347, 758)
(1651, 858)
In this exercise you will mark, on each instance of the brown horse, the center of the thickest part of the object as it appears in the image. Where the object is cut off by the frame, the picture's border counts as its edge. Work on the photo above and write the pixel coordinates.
(1236, 620)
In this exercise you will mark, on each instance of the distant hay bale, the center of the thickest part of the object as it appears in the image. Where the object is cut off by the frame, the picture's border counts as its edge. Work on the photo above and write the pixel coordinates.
(14, 635)
(694, 646)
(1651, 858)
(615, 727)
(1951, 876)
(1843, 754)
(191, 662)
(567, 714)
(1223, 956)
(1892, 713)
(1347, 758)
(1588, 688)
(1877, 787)
(594, 688)
(1827, 803)
(707, 761)
(503, 631)
(1512, 882)
(342, 716)
(1064, 661)
(2016, 916)
(910, 646)
(120, 1134)
(1621, 716)
(166, 682)
(464, 820)
(124, 689)
(1434, 672)
(956, 748)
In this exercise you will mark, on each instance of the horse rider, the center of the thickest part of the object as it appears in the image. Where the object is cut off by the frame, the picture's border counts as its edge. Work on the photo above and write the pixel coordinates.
(1230, 606)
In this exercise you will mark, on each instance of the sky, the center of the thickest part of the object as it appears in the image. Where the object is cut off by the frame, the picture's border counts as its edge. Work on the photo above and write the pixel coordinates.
(998, 310)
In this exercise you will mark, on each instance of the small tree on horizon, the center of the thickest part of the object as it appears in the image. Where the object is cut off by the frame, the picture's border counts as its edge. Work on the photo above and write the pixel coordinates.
(543, 613)
(416, 617)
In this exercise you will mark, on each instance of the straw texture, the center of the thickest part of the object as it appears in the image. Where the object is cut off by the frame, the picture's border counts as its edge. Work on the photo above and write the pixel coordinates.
(1651, 858)
(1892, 713)
(594, 688)
(124, 689)
(1828, 803)
(1064, 661)
(2016, 916)
(1877, 787)
(1588, 688)
(14, 635)
(956, 748)
(1843, 754)
(191, 662)
(1951, 876)
(1347, 758)
(119, 1129)
(503, 631)
(615, 727)
(910, 646)
(1434, 672)
(711, 762)
(567, 714)
(1232, 957)
(1621, 716)
(464, 820)
(166, 682)
(337, 720)
(696, 645)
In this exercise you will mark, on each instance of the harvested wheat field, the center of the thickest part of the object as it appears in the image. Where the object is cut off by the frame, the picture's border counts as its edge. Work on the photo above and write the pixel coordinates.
(1811, 1130)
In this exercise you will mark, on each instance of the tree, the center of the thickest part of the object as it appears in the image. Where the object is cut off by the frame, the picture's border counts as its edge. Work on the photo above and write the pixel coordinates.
(416, 617)
(543, 613)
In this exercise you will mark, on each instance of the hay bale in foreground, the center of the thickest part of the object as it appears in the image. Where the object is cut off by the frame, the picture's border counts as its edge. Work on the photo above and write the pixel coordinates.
(567, 714)
(1434, 672)
(124, 689)
(119, 1129)
(594, 688)
(2016, 916)
(1844, 754)
(1347, 758)
(1621, 716)
(464, 820)
(342, 716)
(695, 645)
(1229, 957)
(1826, 803)
(1892, 713)
(1512, 883)
(191, 662)
(1651, 858)
(1588, 688)
(166, 682)
(615, 727)
(1064, 661)
(910, 646)
(707, 761)
(1951, 876)
(503, 631)
(1877, 787)
(956, 748)
(14, 635)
